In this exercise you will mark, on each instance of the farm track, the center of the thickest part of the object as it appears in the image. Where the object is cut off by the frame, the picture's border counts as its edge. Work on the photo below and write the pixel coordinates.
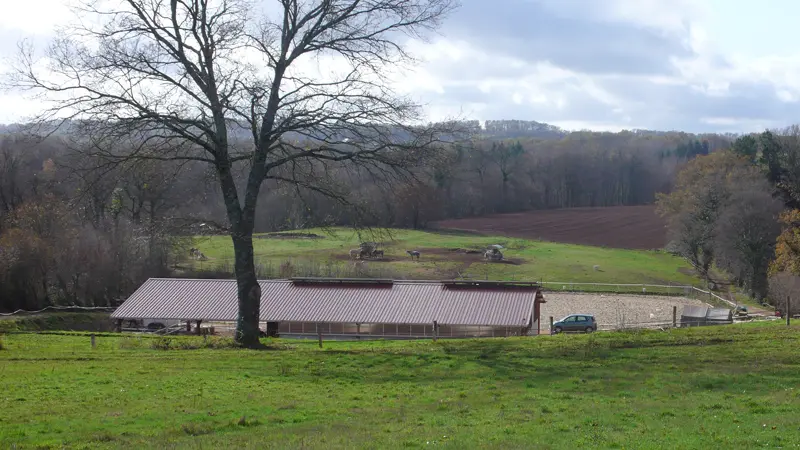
(628, 227)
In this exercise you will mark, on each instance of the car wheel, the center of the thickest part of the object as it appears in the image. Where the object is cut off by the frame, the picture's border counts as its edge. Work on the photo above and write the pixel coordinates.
(557, 330)
(589, 329)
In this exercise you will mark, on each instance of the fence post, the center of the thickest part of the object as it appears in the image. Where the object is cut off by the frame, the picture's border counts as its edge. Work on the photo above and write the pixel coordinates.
(435, 330)
(674, 316)
(551, 324)
(93, 341)
(319, 335)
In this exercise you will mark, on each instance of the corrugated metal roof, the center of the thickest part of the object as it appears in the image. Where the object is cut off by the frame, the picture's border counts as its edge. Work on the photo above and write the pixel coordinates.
(285, 301)
(694, 311)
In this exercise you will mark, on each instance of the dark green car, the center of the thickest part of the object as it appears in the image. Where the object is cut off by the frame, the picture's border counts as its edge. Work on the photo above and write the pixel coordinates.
(583, 323)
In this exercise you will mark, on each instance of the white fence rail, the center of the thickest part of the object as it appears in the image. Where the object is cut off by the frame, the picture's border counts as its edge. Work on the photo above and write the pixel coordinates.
(653, 289)
(61, 308)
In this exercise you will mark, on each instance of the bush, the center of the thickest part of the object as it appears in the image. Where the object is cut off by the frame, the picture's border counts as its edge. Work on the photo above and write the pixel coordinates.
(782, 285)
(162, 343)
(184, 343)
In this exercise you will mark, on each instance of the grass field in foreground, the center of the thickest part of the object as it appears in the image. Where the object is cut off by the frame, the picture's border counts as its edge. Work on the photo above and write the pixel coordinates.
(718, 387)
(536, 260)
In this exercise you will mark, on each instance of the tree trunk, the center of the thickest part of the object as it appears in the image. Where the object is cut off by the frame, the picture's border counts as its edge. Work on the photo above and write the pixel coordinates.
(249, 291)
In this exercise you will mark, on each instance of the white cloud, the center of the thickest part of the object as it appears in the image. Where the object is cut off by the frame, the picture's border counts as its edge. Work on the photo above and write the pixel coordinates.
(34, 16)
(575, 63)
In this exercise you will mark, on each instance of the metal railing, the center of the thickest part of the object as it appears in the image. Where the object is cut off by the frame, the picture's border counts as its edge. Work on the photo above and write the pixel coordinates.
(632, 288)
(620, 288)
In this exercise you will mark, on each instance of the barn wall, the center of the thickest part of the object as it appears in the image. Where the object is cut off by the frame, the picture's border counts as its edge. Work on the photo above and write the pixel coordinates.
(395, 330)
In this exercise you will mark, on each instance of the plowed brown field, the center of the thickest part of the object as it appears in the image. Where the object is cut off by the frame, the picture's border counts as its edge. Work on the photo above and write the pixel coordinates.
(632, 227)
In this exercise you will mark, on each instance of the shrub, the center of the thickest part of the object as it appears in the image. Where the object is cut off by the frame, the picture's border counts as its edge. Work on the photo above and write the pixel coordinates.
(782, 285)
(162, 343)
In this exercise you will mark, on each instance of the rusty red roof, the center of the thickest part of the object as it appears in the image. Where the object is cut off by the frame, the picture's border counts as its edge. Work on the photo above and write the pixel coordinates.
(336, 301)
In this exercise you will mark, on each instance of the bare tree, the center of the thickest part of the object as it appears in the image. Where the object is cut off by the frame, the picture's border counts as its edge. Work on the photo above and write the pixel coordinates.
(781, 286)
(746, 233)
(10, 191)
(165, 73)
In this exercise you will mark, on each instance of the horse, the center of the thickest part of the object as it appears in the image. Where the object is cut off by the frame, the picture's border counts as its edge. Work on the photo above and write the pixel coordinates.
(355, 253)
(413, 253)
(377, 253)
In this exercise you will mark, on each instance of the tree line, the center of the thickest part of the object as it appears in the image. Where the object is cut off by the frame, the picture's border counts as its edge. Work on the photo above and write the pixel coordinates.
(737, 210)
(71, 233)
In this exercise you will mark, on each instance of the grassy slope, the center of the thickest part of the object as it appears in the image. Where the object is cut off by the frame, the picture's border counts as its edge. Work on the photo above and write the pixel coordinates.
(542, 260)
(722, 387)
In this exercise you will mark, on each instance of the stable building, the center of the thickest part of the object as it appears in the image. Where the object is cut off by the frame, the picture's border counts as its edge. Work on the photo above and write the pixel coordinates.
(346, 308)
(698, 316)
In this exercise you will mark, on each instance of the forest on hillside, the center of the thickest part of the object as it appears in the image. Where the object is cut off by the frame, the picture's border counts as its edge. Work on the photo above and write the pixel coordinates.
(77, 231)
(737, 210)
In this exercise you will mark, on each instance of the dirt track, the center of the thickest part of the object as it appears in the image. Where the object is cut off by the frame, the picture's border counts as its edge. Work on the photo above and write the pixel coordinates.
(613, 310)
(633, 227)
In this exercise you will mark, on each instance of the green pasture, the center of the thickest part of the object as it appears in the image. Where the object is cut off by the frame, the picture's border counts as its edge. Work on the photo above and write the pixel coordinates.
(532, 260)
(732, 387)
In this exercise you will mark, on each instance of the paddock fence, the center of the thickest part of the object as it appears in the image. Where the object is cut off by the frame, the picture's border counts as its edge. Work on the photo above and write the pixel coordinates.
(673, 290)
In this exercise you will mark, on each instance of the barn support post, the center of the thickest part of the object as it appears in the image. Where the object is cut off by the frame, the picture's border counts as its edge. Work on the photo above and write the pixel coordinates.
(188, 326)
(118, 326)
(198, 326)
(674, 316)
(435, 331)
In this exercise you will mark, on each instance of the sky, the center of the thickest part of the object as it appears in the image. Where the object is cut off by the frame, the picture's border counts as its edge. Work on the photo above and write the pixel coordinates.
(689, 65)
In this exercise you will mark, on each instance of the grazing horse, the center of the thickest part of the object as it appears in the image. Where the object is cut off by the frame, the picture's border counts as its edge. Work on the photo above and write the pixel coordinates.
(355, 253)
(413, 253)
(377, 254)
